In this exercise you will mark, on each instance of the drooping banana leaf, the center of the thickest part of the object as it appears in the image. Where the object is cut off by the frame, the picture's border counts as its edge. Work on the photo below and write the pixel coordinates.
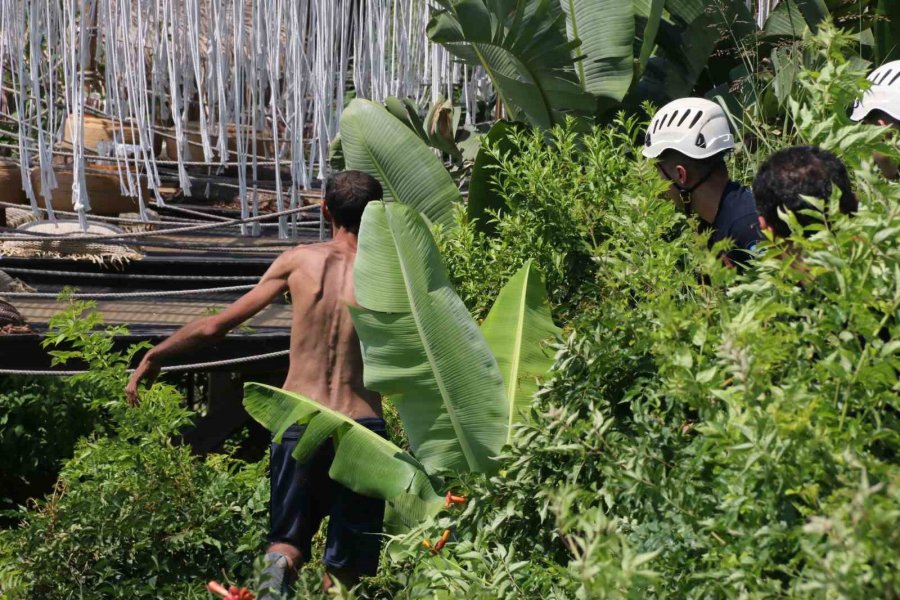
(604, 33)
(441, 124)
(363, 461)
(523, 49)
(376, 142)
(421, 346)
(517, 329)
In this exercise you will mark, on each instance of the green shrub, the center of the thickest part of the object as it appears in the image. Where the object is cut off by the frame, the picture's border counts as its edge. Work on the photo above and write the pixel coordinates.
(40, 422)
(133, 515)
(704, 433)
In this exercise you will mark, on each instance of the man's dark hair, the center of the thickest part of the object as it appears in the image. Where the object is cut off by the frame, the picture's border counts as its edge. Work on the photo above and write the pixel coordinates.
(800, 171)
(879, 115)
(346, 196)
(700, 166)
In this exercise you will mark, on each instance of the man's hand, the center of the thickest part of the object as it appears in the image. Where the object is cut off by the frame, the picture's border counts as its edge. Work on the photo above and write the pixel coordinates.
(203, 332)
(146, 371)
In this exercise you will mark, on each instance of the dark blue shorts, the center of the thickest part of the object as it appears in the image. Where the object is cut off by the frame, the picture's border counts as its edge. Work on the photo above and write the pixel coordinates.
(302, 495)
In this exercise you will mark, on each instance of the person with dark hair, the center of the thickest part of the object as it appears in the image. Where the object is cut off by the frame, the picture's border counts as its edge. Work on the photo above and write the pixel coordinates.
(792, 173)
(880, 106)
(326, 366)
(689, 139)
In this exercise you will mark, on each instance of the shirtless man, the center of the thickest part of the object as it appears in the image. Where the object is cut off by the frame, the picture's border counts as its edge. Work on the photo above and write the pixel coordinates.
(325, 365)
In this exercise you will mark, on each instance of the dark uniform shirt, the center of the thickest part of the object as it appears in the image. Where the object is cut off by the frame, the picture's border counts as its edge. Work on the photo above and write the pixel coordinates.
(736, 219)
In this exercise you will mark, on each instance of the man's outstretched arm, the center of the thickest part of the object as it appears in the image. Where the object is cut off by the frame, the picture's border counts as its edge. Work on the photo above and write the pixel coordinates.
(208, 330)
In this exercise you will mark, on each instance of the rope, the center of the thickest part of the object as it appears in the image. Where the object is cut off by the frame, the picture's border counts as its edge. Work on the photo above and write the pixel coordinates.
(187, 163)
(142, 234)
(169, 369)
(83, 274)
(180, 222)
(150, 294)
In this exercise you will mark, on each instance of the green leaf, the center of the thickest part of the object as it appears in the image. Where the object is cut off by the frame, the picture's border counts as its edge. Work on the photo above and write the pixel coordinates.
(422, 347)
(406, 111)
(483, 194)
(786, 20)
(686, 54)
(887, 31)
(816, 11)
(363, 461)
(603, 31)
(377, 143)
(522, 48)
(648, 42)
(516, 329)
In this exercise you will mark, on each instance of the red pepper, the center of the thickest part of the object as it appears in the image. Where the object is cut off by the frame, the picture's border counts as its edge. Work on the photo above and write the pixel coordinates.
(231, 594)
(451, 500)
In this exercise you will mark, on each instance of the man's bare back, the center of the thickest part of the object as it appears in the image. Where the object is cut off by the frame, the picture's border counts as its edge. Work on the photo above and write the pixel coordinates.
(326, 363)
(325, 360)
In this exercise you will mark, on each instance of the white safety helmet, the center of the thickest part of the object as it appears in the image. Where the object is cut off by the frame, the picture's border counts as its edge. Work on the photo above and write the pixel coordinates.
(695, 127)
(884, 95)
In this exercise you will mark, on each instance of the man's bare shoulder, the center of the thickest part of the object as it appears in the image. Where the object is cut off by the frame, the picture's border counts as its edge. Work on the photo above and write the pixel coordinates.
(313, 257)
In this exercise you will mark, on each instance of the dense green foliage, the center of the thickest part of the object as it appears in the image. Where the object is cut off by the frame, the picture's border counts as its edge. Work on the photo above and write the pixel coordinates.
(37, 435)
(704, 433)
(133, 515)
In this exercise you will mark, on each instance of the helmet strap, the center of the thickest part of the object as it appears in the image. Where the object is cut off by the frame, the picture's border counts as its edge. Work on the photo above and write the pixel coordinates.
(687, 192)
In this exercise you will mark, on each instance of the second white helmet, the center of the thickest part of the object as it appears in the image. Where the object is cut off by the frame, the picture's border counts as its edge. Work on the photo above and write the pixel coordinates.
(884, 95)
(695, 127)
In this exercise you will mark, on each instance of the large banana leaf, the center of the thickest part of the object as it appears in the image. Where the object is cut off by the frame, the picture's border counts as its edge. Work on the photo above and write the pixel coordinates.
(363, 461)
(516, 329)
(604, 33)
(422, 347)
(376, 142)
(522, 47)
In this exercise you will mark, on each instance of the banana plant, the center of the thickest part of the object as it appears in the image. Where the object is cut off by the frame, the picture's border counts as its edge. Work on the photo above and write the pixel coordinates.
(440, 128)
(523, 48)
(459, 389)
(372, 140)
(552, 58)
(421, 346)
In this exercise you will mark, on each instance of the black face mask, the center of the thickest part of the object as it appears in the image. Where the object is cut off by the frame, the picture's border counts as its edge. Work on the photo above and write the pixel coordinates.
(686, 192)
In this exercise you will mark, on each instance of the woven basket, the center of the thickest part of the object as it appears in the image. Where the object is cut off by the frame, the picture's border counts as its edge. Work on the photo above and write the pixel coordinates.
(97, 252)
